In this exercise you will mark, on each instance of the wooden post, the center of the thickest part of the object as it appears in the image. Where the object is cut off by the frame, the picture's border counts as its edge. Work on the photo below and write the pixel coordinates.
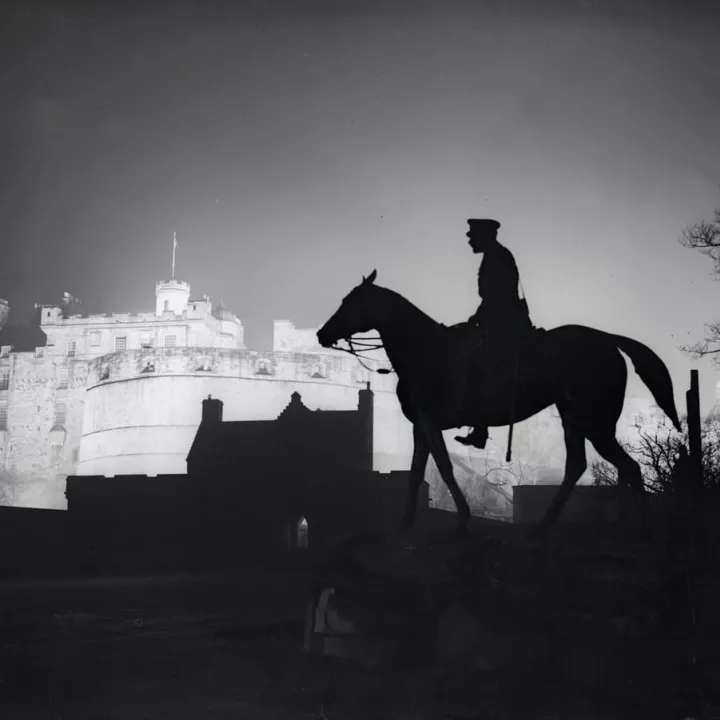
(694, 489)
(692, 397)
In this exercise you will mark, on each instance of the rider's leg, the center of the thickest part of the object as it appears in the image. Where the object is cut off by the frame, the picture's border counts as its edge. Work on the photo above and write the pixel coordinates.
(478, 436)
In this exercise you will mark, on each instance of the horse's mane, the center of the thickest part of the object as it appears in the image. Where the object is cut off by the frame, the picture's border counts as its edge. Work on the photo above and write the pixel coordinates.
(405, 307)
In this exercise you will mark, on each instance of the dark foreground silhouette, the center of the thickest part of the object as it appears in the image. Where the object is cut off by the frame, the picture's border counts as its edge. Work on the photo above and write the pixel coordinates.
(578, 369)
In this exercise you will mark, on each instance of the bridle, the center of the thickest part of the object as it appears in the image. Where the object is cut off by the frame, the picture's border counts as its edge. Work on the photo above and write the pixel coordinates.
(375, 344)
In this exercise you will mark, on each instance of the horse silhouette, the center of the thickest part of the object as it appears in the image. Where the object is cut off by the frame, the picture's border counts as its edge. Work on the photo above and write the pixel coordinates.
(578, 369)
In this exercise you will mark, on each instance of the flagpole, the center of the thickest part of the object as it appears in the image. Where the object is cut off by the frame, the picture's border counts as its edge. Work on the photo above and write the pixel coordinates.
(174, 246)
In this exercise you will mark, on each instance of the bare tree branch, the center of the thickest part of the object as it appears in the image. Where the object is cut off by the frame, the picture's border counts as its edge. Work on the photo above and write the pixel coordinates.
(658, 450)
(603, 473)
(705, 238)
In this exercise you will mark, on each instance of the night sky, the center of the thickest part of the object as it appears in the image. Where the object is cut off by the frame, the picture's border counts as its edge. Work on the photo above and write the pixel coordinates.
(295, 146)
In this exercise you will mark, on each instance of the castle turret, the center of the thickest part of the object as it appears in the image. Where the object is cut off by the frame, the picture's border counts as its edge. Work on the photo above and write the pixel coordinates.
(171, 296)
(230, 325)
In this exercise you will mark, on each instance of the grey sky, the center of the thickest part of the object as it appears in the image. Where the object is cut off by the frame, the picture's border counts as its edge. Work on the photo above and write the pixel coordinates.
(295, 147)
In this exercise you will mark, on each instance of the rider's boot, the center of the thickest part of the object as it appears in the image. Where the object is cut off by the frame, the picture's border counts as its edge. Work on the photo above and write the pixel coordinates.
(478, 437)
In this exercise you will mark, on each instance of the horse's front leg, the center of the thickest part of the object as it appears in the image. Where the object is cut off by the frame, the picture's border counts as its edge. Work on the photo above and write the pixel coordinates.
(438, 449)
(421, 452)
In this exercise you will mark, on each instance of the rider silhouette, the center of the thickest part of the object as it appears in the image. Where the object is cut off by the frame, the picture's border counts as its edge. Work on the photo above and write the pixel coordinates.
(502, 317)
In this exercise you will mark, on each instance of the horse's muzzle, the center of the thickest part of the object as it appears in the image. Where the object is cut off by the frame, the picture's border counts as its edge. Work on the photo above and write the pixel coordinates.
(324, 339)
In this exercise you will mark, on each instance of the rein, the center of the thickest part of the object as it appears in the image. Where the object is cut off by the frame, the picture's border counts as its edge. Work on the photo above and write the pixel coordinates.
(370, 346)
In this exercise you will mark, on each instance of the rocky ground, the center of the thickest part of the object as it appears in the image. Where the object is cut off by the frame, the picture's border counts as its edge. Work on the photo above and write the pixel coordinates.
(591, 623)
(581, 627)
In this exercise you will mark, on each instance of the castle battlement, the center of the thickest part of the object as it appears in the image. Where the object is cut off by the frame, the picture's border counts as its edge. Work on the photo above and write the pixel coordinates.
(172, 285)
(195, 310)
(257, 365)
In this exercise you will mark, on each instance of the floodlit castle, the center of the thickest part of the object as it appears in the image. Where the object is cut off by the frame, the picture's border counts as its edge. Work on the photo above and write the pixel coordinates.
(121, 394)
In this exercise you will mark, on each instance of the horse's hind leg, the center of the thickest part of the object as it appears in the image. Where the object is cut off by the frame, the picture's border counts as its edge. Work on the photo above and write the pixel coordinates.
(575, 466)
(629, 474)
(417, 476)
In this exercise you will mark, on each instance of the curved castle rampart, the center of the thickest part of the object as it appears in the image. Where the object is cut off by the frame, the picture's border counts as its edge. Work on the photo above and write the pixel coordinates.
(142, 407)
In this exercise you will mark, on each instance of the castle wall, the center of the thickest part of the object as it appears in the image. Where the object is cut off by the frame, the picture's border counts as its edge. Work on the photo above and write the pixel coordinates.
(95, 335)
(36, 453)
(36, 458)
(146, 421)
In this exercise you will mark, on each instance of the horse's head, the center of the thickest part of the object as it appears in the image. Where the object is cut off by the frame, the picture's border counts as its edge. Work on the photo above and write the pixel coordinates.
(353, 316)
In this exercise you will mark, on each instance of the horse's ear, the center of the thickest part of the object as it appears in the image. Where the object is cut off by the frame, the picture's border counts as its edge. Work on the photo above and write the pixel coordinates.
(370, 278)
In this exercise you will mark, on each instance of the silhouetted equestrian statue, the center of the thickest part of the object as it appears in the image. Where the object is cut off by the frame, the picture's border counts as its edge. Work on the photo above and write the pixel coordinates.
(502, 321)
(578, 369)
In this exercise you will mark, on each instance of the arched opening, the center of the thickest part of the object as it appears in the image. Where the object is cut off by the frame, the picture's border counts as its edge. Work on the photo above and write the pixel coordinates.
(301, 534)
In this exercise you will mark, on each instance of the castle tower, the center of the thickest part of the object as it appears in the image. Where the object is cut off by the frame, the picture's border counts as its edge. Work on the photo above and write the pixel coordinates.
(4, 312)
(171, 296)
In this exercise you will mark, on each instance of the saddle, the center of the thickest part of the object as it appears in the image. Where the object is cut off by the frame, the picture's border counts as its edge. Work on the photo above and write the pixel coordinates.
(481, 345)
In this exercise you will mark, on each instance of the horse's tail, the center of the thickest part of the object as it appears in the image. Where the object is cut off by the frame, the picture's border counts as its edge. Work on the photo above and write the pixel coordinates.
(654, 373)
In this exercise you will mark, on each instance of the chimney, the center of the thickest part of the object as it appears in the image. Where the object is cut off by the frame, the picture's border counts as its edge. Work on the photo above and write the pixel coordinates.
(212, 410)
(366, 407)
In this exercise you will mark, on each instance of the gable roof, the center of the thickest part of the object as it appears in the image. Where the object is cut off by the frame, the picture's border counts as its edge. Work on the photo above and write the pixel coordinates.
(295, 424)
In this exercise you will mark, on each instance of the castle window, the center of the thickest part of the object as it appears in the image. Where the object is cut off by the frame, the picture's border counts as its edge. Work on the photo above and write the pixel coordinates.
(60, 414)
(301, 537)
(166, 306)
(146, 340)
(62, 378)
(170, 340)
(39, 352)
(120, 344)
(3, 415)
(262, 368)
(95, 338)
(203, 365)
(4, 378)
(76, 455)
(104, 372)
(319, 371)
(5, 351)
(71, 348)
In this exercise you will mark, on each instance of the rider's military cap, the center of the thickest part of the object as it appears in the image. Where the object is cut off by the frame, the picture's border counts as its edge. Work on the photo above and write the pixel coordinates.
(483, 225)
